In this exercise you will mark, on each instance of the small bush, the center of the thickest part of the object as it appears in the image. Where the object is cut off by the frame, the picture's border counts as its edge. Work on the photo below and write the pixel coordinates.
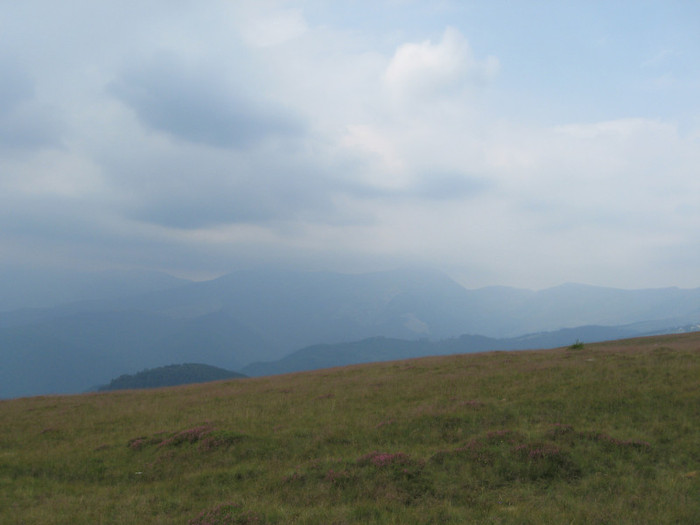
(578, 345)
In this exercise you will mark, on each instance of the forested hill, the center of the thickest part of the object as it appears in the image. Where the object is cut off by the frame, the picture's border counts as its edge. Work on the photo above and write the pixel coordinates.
(171, 375)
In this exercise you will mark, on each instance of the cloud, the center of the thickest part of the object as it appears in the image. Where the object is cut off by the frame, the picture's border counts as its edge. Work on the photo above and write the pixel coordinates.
(272, 27)
(430, 70)
(198, 105)
(451, 186)
(15, 88)
(260, 195)
(255, 130)
(25, 123)
(623, 179)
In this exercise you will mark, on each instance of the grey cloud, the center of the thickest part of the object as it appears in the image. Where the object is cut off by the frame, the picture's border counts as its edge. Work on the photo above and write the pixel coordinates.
(232, 203)
(28, 129)
(16, 86)
(450, 186)
(24, 122)
(55, 232)
(430, 186)
(197, 106)
(190, 189)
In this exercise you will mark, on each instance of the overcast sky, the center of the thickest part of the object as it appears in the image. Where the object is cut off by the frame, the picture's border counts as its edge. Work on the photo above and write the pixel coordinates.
(504, 142)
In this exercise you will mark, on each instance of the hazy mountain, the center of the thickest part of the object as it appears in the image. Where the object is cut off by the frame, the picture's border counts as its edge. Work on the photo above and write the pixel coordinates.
(342, 354)
(503, 312)
(294, 309)
(41, 288)
(264, 315)
(36, 362)
(171, 375)
(387, 349)
(216, 338)
(71, 352)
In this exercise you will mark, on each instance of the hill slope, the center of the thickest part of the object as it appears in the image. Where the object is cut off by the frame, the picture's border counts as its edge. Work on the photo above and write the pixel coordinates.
(603, 434)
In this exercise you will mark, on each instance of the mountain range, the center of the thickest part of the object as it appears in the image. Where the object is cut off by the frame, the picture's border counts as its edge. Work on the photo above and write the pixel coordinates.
(247, 318)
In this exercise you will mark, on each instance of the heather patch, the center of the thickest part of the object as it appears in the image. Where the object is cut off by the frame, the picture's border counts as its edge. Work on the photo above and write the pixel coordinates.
(295, 477)
(383, 459)
(537, 460)
(206, 436)
(472, 403)
(217, 439)
(384, 423)
(137, 443)
(326, 396)
(615, 442)
(472, 452)
(396, 475)
(190, 435)
(507, 455)
(503, 436)
(228, 514)
(338, 477)
(559, 429)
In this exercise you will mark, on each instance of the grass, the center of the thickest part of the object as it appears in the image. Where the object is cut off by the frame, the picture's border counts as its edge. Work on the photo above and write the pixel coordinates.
(608, 433)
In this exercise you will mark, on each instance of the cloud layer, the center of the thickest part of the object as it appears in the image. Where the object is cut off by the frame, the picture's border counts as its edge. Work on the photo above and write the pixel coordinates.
(198, 138)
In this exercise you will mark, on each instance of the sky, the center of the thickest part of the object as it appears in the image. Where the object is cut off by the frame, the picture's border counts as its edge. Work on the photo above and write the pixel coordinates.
(511, 143)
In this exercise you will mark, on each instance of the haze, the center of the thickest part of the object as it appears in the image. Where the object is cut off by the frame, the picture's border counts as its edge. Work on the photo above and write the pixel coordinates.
(515, 143)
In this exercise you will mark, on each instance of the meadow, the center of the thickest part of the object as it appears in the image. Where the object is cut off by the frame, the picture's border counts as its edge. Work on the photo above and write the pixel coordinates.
(605, 433)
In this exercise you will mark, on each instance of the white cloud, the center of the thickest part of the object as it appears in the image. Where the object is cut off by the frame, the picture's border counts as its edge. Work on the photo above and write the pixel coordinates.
(429, 70)
(388, 168)
(274, 27)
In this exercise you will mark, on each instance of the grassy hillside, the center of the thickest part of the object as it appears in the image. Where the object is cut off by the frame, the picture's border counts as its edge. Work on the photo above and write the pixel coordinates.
(607, 433)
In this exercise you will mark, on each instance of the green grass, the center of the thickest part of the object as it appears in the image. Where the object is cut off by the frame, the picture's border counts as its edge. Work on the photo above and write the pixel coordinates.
(608, 433)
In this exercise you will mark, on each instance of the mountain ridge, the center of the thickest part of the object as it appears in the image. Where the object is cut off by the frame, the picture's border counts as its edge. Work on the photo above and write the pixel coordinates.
(377, 349)
(264, 315)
